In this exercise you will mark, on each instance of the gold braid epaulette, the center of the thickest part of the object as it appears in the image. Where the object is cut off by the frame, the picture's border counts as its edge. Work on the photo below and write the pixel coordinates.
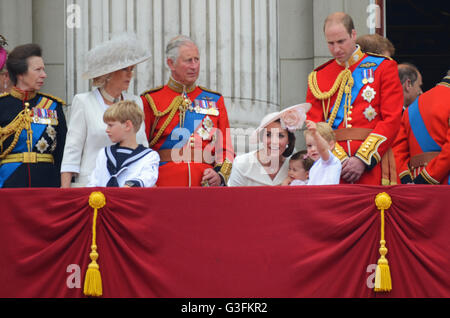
(4, 95)
(344, 82)
(209, 91)
(172, 109)
(153, 90)
(20, 122)
(57, 99)
(380, 55)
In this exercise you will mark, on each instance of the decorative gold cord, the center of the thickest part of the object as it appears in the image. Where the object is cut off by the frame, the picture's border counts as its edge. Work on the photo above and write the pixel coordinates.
(172, 109)
(344, 82)
(383, 281)
(20, 122)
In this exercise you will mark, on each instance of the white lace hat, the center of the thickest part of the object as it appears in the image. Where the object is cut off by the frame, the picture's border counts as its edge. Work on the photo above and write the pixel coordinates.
(291, 118)
(123, 50)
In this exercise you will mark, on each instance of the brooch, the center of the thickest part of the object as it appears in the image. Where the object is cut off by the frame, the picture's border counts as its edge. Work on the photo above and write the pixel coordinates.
(42, 145)
(368, 94)
(205, 130)
(51, 132)
(370, 113)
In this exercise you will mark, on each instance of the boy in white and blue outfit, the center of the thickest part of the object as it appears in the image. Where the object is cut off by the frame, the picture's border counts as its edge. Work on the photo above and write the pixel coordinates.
(126, 163)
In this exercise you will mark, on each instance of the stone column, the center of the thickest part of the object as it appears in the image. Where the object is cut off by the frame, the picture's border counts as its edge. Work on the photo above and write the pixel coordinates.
(16, 22)
(50, 36)
(238, 42)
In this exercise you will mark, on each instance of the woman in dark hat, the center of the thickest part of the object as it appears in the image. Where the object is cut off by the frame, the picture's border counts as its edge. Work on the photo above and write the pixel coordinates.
(32, 124)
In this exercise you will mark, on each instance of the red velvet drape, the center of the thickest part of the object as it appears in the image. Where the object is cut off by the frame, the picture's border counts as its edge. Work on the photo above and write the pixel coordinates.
(232, 242)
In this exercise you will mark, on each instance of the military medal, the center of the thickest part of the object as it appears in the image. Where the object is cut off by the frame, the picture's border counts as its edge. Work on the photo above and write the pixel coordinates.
(371, 78)
(51, 132)
(208, 123)
(368, 94)
(212, 109)
(205, 130)
(365, 80)
(370, 113)
(54, 117)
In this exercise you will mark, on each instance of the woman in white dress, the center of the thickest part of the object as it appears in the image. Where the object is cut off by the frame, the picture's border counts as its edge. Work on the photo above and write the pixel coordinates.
(111, 66)
(269, 166)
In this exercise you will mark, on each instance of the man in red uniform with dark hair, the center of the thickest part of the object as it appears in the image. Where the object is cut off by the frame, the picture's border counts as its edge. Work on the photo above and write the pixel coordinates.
(188, 124)
(422, 148)
(360, 96)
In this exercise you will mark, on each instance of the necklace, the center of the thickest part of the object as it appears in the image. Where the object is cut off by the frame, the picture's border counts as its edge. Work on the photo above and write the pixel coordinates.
(108, 97)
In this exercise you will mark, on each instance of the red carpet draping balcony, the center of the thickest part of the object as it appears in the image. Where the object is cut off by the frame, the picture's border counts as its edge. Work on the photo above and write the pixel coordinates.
(263, 242)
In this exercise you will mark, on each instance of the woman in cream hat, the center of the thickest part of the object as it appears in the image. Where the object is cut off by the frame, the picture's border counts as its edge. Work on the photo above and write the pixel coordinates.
(110, 65)
(268, 166)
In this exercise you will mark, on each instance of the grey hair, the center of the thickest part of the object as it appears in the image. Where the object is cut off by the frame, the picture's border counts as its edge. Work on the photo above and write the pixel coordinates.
(173, 47)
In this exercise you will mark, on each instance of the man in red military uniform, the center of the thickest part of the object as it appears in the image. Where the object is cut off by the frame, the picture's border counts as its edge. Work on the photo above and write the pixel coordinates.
(360, 96)
(422, 147)
(188, 124)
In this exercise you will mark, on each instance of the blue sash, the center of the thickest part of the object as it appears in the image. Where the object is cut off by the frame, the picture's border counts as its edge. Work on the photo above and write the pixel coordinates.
(7, 169)
(357, 86)
(420, 132)
(425, 141)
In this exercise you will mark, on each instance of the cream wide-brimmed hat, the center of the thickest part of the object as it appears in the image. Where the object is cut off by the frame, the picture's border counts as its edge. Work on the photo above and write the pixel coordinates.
(291, 118)
(123, 50)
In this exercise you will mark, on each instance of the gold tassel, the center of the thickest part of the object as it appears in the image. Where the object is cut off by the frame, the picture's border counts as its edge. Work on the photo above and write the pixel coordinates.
(93, 279)
(383, 281)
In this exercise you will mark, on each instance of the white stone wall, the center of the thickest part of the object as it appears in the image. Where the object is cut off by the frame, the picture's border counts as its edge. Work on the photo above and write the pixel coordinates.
(237, 41)
(42, 22)
(257, 53)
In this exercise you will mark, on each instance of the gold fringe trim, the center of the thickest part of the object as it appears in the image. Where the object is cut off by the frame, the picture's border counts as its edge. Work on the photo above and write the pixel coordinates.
(383, 282)
(93, 278)
(57, 99)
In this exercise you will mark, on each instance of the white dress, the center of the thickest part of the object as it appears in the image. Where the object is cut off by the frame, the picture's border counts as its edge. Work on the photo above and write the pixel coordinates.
(86, 134)
(325, 172)
(298, 182)
(144, 171)
(248, 171)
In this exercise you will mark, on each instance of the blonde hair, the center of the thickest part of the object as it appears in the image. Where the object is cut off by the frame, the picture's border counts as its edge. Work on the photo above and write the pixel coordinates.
(123, 111)
(100, 81)
(324, 130)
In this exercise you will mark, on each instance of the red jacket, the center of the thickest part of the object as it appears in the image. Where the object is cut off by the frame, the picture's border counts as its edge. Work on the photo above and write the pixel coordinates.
(434, 109)
(376, 106)
(205, 132)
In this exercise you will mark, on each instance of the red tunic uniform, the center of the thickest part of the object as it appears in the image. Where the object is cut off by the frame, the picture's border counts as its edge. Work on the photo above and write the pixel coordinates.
(425, 131)
(203, 134)
(375, 105)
